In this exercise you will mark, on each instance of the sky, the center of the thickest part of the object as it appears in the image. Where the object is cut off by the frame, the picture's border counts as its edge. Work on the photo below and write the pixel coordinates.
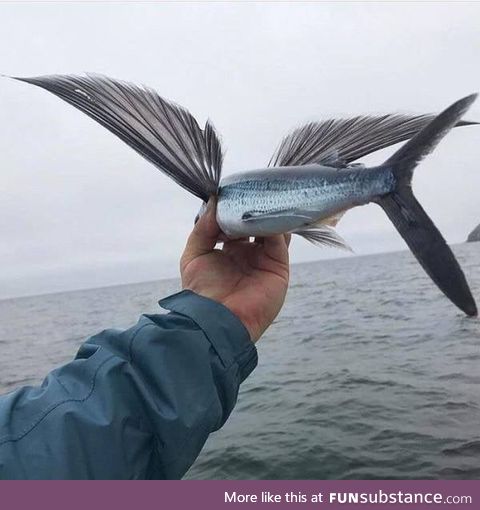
(80, 209)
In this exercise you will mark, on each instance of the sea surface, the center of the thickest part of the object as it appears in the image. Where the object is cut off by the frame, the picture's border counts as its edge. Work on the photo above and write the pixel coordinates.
(368, 372)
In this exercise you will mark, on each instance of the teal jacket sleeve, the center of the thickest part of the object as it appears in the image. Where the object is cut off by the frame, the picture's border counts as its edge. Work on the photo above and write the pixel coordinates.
(135, 404)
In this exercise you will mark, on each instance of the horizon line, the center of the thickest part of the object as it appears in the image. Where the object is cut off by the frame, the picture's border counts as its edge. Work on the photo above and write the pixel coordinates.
(124, 284)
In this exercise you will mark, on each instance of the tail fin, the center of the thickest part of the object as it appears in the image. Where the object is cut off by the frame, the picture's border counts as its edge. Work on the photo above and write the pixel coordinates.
(412, 222)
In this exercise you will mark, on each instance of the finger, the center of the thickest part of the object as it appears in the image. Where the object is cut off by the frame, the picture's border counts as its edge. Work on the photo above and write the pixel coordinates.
(288, 239)
(222, 238)
(235, 244)
(204, 235)
(238, 240)
(276, 247)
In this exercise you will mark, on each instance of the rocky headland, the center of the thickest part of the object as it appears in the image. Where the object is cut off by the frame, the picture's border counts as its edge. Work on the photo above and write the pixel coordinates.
(474, 235)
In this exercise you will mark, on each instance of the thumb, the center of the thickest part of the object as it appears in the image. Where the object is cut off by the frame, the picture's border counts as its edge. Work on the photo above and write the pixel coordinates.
(204, 235)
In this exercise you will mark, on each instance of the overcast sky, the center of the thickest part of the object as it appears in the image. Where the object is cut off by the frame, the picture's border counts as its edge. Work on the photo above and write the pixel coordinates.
(78, 208)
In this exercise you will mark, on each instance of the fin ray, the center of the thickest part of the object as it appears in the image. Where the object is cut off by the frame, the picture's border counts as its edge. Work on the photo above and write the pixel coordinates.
(323, 236)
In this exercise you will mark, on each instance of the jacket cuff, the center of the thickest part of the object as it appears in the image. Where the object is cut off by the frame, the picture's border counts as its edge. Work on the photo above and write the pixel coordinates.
(224, 330)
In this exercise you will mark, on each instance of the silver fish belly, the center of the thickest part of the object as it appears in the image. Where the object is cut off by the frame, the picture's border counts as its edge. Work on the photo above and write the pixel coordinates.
(287, 199)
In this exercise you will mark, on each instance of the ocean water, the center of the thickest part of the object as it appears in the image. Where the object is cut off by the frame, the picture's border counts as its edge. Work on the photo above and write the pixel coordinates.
(368, 372)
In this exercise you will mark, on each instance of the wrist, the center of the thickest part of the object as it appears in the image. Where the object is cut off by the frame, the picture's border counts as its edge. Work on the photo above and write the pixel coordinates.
(239, 312)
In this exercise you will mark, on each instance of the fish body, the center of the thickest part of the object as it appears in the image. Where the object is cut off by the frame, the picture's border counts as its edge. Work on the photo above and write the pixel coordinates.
(288, 199)
(312, 178)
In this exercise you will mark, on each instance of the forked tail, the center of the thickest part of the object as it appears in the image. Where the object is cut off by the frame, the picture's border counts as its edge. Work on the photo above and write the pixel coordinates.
(412, 222)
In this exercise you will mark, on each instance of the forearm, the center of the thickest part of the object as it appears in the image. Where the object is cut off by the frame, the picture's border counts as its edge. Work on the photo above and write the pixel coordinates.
(133, 404)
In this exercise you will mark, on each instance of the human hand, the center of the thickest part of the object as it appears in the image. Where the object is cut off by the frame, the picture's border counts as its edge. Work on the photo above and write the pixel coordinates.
(250, 279)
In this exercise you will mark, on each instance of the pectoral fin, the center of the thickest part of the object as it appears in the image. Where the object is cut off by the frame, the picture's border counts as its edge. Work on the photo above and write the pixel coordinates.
(282, 213)
(332, 159)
